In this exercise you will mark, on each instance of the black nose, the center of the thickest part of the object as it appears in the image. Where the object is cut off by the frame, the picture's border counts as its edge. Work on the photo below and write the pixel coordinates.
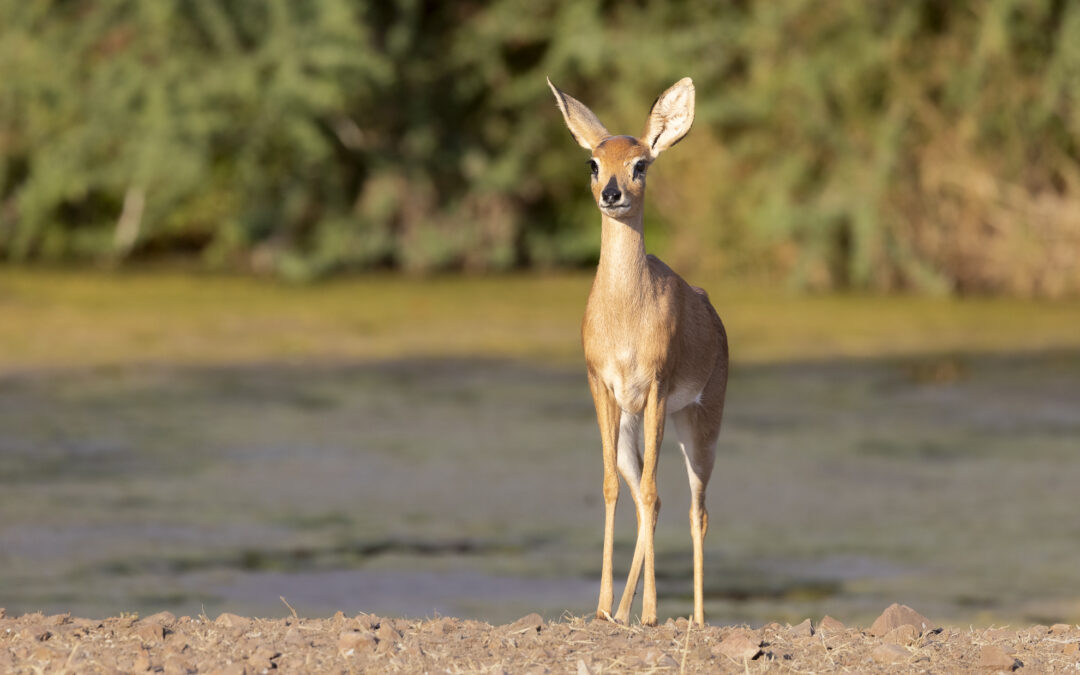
(611, 193)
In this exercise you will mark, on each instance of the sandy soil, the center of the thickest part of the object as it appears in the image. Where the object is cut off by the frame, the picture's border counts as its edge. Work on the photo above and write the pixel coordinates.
(34, 643)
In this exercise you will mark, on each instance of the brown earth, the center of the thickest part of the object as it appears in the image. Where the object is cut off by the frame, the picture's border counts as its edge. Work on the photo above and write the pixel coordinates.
(34, 643)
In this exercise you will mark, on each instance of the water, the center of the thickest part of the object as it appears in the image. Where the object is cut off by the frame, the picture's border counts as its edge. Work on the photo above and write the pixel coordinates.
(472, 488)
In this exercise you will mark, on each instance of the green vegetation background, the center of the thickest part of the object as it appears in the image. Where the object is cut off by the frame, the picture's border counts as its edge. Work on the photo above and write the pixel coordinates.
(900, 144)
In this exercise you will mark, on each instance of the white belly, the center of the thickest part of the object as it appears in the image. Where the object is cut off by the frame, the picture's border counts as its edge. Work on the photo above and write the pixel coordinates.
(682, 395)
(631, 388)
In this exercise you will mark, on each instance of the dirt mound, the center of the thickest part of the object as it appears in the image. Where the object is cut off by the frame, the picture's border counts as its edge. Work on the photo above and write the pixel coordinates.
(366, 643)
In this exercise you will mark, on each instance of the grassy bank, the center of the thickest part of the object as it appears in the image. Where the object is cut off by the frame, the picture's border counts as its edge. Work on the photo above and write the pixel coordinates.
(90, 319)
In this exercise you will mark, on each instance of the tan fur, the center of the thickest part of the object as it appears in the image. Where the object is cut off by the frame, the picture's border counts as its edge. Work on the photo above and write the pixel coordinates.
(654, 346)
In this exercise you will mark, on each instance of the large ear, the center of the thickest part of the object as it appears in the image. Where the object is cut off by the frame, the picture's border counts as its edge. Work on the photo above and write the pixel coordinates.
(581, 121)
(670, 118)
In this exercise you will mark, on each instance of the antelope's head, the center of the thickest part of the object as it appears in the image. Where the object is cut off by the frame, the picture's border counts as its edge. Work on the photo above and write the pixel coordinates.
(619, 163)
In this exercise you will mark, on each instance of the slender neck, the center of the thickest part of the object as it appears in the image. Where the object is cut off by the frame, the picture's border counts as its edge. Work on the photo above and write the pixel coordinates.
(622, 250)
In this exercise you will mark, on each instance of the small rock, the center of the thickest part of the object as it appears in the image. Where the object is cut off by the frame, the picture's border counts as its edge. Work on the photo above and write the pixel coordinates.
(254, 665)
(1060, 628)
(655, 658)
(233, 669)
(356, 640)
(44, 653)
(259, 663)
(87, 624)
(632, 662)
(583, 669)
(658, 659)
(150, 632)
(142, 661)
(1071, 649)
(901, 635)
(123, 621)
(265, 654)
(995, 634)
(164, 618)
(804, 629)
(831, 625)
(59, 619)
(413, 649)
(739, 645)
(174, 663)
(388, 637)
(992, 657)
(899, 615)
(682, 623)
(35, 632)
(299, 640)
(227, 620)
(529, 622)
(363, 622)
(386, 632)
(889, 654)
(771, 627)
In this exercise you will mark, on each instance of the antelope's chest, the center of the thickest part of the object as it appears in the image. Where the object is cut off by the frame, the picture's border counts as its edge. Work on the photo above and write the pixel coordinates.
(627, 340)
(626, 377)
(629, 366)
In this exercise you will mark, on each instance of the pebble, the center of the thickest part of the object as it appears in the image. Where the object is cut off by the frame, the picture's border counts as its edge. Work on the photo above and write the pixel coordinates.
(898, 615)
(227, 620)
(739, 646)
(526, 623)
(992, 657)
(889, 654)
(995, 634)
(901, 635)
(164, 618)
(804, 629)
(356, 640)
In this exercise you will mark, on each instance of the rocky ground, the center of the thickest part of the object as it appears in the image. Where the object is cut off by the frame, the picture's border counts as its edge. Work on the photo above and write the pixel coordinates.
(900, 640)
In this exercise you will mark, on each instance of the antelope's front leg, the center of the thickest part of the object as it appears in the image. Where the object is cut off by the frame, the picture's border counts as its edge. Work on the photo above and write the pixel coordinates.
(649, 504)
(607, 416)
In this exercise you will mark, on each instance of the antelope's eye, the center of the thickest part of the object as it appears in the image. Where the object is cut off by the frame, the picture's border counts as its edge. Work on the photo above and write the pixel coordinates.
(639, 169)
(594, 168)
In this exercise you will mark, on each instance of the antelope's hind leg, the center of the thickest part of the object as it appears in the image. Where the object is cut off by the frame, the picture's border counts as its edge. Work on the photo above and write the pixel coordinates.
(698, 427)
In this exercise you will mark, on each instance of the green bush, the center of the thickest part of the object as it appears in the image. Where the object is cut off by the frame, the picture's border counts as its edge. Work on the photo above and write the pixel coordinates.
(904, 144)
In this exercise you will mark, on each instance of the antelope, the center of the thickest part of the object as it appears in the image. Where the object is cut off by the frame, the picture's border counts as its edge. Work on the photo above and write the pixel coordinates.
(654, 346)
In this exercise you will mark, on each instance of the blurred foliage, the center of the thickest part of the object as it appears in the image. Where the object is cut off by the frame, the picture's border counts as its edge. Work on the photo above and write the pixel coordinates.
(901, 144)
